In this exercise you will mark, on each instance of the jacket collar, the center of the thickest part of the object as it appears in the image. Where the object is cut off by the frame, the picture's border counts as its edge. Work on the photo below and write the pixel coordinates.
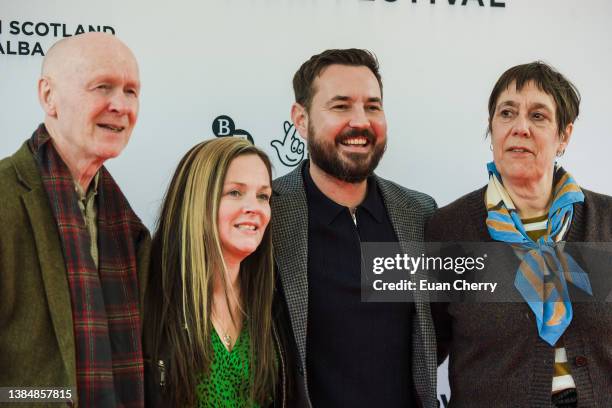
(290, 239)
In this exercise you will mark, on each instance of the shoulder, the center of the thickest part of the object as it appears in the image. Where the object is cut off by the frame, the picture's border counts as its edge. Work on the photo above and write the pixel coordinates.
(18, 175)
(399, 194)
(468, 210)
(462, 206)
(599, 209)
(7, 172)
(5, 164)
(19, 168)
(290, 182)
(7, 168)
(600, 201)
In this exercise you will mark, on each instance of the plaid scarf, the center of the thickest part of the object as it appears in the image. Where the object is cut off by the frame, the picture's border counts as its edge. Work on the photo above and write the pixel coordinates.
(105, 302)
(545, 268)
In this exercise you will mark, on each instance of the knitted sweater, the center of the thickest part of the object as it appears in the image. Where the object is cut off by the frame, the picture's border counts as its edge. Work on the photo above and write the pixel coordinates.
(496, 357)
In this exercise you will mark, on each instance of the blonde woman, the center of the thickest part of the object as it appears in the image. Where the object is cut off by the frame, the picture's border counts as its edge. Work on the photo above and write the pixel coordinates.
(208, 335)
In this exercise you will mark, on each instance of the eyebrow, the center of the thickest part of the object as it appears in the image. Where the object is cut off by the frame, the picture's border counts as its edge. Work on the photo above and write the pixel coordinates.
(342, 98)
(508, 103)
(263, 186)
(536, 105)
(112, 79)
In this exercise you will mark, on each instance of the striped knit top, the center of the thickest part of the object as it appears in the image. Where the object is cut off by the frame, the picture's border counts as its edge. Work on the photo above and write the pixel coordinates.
(562, 377)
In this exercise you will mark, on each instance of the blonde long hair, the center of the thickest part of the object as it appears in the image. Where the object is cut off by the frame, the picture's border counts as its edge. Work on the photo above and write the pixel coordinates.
(186, 253)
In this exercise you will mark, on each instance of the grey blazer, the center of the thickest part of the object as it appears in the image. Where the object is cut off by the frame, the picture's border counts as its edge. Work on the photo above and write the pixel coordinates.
(408, 211)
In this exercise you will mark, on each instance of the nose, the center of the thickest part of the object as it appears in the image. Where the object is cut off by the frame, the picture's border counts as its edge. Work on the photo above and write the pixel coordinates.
(120, 103)
(521, 126)
(359, 118)
(251, 205)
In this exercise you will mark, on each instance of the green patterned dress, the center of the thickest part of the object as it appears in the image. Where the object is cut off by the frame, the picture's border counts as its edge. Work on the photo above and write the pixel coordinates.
(229, 381)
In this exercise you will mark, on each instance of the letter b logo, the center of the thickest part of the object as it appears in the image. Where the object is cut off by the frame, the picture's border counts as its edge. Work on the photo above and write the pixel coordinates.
(223, 126)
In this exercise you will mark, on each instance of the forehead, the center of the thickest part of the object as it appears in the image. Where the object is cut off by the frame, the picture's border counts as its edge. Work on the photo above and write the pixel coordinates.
(528, 95)
(113, 63)
(248, 169)
(346, 80)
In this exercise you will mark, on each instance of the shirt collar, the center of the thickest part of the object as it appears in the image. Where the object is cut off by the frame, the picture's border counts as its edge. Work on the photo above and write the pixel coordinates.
(92, 190)
(373, 202)
(327, 210)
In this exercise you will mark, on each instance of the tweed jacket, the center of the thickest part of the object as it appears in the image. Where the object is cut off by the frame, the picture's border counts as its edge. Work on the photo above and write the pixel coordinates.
(497, 358)
(408, 211)
(37, 347)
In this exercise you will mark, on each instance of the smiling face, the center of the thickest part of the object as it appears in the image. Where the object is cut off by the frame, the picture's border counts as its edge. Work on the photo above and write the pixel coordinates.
(525, 136)
(92, 87)
(346, 125)
(244, 208)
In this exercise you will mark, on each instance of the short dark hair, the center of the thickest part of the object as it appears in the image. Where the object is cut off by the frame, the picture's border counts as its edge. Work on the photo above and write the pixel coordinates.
(304, 77)
(547, 79)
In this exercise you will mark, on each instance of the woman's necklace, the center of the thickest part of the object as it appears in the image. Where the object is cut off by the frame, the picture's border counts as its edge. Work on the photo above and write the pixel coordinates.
(224, 335)
(226, 339)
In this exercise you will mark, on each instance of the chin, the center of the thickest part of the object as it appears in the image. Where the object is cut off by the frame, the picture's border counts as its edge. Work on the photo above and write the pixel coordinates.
(247, 249)
(110, 152)
(521, 176)
(516, 170)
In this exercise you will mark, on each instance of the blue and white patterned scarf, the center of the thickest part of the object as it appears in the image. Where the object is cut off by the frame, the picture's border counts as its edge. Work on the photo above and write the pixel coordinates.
(545, 268)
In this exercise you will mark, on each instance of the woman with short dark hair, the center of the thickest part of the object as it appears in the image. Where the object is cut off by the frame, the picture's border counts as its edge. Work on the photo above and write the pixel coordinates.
(544, 349)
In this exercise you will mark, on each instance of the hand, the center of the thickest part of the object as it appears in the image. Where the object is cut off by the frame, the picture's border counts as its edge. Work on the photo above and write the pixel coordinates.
(290, 150)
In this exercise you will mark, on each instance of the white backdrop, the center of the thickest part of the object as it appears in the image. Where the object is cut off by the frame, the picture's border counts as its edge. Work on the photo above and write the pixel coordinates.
(202, 59)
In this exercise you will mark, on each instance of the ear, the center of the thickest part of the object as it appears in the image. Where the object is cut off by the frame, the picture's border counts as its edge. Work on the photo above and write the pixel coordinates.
(566, 136)
(46, 96)
(299, 117)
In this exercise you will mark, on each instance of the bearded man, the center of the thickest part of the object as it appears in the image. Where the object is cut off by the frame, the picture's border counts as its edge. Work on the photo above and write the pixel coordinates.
(342, 351)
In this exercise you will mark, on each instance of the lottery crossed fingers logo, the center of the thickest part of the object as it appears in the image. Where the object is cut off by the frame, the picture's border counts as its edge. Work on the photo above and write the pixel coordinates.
(289, 148)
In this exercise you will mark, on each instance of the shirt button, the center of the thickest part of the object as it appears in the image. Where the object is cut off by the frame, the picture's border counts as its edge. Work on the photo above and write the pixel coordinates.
(581, 361)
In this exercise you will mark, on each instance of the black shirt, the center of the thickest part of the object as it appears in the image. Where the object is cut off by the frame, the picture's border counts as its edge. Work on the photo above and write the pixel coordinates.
(358, 353)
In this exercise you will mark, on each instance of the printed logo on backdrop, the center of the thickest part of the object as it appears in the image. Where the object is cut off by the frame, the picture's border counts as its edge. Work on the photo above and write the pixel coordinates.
(481, 3)
(25, 37)
(223, 126)
(290, 147)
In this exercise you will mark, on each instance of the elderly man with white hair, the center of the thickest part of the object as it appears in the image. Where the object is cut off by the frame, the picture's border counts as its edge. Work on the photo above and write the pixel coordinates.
(72, 252)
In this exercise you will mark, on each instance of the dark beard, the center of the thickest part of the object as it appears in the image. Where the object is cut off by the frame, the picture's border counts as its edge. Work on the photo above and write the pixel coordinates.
(357, 168)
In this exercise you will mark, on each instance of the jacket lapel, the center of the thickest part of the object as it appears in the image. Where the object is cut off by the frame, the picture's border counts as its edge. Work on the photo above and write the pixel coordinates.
(49, 250)
(399, 215)
(290, 240)
(408, 224)
(404, 218)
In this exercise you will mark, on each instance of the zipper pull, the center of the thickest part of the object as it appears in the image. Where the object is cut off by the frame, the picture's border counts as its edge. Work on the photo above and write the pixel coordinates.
(162, 373)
